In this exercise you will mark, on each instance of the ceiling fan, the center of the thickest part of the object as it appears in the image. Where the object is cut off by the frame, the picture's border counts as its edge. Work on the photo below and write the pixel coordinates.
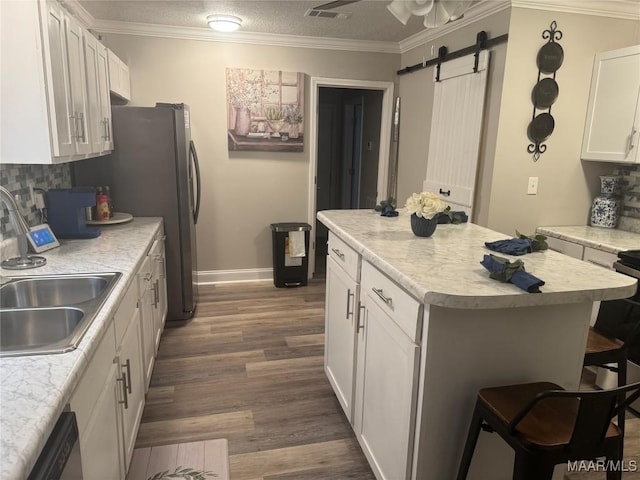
(435, 12)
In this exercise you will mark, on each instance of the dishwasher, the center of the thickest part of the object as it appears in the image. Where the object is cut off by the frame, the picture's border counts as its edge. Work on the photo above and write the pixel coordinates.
(60, 457)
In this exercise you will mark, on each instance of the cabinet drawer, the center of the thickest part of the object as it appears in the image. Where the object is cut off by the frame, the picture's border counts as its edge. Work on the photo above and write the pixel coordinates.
(345, 256)
(393, 300)
(568, 248)
(600, 258)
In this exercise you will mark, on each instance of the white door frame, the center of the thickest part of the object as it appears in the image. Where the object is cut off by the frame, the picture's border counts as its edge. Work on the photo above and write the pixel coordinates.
(385, 143)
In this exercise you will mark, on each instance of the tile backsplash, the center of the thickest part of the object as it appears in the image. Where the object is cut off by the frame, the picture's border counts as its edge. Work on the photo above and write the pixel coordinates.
(17, 178)
(630, 189)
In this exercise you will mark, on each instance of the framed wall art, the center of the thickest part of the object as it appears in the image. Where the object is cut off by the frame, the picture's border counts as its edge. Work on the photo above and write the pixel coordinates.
(265, 110)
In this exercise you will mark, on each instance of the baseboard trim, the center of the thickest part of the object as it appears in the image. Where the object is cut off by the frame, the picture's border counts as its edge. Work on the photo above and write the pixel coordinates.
(230, 276)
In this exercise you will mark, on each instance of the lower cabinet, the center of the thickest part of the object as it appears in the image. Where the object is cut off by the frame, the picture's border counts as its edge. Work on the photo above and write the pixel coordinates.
(96, 404)
(145, 285)
(342, 297)
(372, 356)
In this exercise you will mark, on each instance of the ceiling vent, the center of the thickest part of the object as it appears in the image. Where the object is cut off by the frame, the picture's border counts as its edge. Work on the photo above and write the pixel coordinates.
(327, 14)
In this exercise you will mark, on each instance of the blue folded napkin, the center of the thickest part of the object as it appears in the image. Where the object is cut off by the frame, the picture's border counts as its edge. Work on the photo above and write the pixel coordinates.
(459, 216)
(504, 270)
(513, 246)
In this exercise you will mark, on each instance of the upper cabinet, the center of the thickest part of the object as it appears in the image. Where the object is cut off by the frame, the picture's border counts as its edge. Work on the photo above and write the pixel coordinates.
(54, 85)
(613, 115)
(119, 77)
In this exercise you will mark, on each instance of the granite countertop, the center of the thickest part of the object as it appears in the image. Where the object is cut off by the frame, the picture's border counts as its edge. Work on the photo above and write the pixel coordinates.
(445, 269)
(606, 239)
(35, 389)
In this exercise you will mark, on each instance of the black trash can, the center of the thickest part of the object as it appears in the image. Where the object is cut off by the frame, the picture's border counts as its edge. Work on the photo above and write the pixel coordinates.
(289, 271)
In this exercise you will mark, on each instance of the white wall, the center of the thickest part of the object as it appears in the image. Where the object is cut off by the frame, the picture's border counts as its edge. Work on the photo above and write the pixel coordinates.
(243, 192)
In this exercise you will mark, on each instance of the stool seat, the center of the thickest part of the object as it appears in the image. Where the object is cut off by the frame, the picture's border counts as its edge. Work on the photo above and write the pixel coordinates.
(548, 424)
(598, 343)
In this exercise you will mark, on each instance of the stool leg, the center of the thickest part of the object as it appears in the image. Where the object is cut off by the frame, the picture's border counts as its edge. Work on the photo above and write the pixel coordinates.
(622, 380)
(470, 445)
(614, 457)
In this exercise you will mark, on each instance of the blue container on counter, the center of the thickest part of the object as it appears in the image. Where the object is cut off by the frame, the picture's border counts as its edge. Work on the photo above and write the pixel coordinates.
(66, 211)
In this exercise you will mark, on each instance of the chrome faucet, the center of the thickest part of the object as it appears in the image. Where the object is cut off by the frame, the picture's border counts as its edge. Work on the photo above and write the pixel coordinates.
(21, 228)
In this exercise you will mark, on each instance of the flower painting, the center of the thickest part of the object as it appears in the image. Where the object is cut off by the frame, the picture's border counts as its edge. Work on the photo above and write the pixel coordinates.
(265, 110)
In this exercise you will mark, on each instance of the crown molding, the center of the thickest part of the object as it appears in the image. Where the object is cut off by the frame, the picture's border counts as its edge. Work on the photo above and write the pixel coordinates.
(477, 12)
(206, 34)
(624, 9)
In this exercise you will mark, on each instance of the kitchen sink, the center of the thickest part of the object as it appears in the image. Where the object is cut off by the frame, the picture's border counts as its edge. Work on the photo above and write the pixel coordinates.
(50, 314)
(52, 291)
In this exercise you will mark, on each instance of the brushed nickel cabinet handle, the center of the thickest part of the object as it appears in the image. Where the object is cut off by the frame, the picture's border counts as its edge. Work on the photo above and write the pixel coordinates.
(338, 253)
(127, 365)
(380, 293)
(630, 143)
(124, 402)
(361, 308)
(349, 295)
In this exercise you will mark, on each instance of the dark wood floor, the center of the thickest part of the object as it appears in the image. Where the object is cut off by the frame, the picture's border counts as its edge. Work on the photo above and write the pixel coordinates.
(249, 368)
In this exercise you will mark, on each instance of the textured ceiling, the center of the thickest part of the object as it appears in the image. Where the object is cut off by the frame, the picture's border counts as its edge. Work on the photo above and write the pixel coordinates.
(368, 20)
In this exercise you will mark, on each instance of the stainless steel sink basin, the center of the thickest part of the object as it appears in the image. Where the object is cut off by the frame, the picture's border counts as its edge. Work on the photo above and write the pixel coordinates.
(38, 327)
(50, 314)
(51, 291)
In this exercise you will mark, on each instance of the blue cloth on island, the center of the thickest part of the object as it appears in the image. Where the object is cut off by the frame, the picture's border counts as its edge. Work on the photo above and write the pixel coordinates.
(513, 246)
(459, 216)
(503, 270)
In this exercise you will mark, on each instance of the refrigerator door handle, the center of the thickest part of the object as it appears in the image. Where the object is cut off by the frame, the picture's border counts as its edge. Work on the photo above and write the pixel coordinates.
(194, 156)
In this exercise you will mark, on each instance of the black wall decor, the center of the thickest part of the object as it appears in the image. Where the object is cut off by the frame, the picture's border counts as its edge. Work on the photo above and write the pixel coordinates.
(545, 92)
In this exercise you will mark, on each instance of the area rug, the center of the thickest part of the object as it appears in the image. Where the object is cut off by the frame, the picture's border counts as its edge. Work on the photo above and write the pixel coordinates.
(204, 460)
(631, 464)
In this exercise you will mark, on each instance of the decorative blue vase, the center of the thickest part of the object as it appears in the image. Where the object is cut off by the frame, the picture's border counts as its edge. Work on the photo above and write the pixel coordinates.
(423, 227)
(606, 206)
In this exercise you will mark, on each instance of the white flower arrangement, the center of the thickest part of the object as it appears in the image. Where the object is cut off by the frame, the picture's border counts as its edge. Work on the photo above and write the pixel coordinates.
(425, 205)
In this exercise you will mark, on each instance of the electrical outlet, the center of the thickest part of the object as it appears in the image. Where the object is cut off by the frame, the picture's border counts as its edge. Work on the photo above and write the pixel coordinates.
(532, 186)
(39, 200)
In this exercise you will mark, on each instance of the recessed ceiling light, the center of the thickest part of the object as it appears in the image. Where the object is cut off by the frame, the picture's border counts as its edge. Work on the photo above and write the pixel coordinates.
(224, 23)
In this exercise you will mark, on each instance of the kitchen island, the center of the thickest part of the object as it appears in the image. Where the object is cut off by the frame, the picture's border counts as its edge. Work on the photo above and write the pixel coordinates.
(35, 389)
(415, 326)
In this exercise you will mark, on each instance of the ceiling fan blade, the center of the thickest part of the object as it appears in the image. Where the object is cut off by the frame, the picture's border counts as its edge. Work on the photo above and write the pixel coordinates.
(335, 4)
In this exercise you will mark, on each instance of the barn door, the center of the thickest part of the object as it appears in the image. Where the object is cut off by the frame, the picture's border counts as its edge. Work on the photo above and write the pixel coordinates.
(458, 107)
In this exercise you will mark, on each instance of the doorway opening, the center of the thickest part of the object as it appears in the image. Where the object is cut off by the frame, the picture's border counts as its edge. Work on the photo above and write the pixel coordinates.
(350, 142)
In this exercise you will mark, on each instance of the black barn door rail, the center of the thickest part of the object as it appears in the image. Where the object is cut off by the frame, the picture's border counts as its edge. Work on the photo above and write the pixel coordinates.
(482, 43)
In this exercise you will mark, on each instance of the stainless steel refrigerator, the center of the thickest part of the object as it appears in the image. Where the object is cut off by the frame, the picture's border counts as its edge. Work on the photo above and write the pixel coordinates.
(153, 172)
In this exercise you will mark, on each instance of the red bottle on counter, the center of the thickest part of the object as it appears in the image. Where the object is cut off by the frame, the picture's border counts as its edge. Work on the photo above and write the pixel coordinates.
(102, 205)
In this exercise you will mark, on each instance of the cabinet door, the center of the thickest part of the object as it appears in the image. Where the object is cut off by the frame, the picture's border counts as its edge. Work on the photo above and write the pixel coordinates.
(96, 124)
(341, 313)
(105, 101)
(611, 129)
(125, 82)
(145, 282)
(62, 117)
(386, 385)
(133, 385)
(77, 83)
(101, 448)
(160, 290)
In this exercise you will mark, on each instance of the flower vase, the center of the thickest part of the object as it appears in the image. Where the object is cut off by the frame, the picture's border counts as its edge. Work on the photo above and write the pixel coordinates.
(423, 227)
(243, 122)
(293, 130)
(606, 206)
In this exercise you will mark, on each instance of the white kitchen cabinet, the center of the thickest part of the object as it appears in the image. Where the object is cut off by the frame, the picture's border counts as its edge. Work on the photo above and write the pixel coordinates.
(341, 314)
(95, 402)
(129, 359)
(146, 301)
(98, 95)
(387, 375)
(45, 108)
(119, 80)
(159, 279)
(613, 112)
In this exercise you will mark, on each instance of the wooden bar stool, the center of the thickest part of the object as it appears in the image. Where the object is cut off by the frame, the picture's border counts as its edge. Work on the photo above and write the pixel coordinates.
(547, 425)
(605, 351)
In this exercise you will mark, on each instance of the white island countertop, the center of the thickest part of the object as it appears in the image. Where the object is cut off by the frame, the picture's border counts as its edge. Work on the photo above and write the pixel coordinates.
(35, 389)
(609, 240)
(445, 269)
